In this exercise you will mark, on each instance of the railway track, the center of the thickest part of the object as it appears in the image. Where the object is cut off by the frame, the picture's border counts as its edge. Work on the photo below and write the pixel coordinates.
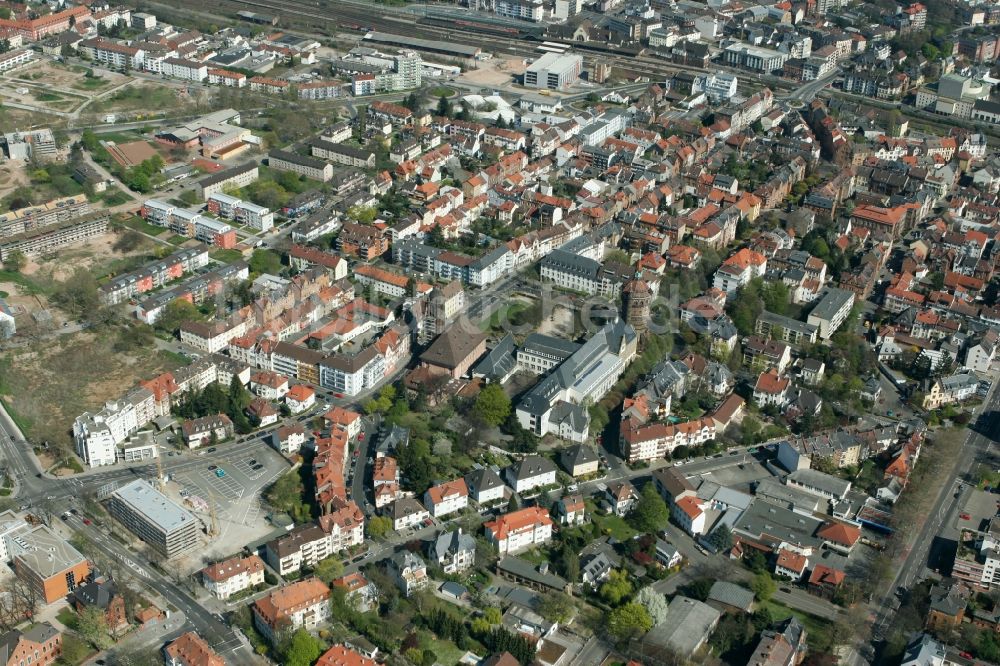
(340, 17)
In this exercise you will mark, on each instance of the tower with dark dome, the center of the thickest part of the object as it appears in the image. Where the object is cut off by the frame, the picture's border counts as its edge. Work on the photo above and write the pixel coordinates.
(636, 302)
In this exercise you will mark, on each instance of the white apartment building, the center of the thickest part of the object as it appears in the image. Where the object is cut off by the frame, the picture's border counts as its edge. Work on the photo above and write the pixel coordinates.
(187, 70)
(446, 498)
(518, 530)
(98, 435)
(229, 577)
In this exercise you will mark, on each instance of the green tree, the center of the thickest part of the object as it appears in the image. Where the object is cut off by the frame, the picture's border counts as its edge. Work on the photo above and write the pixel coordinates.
(15, 261)
(763, 586)
(175, 313)
(362, 214)
(492, 405)
(379, 526)
(557, 607)
(92, 626)
(651, 512)
(699, 588)
(328, 569)
(239, 396)
(629, 621)
(285, 494)
(492, 615)
(617, 587)
(300, 649)
(444, 107)
(721, 539)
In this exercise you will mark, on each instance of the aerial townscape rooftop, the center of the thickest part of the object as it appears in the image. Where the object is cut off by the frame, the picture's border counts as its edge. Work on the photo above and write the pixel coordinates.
(500, 332)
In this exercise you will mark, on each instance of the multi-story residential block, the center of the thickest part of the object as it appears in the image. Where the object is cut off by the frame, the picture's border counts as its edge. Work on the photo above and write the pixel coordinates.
(304, 546)
(242, 212)
(46, 239)
(518, 530)
(652, 441)
(113, 54)
(226, 578)
(12, 59)
(182, 68)
(225, 77)
(236, 177)
(153, 275)
(305, 603)
(832, 310)
(341, 154)
(310, 167)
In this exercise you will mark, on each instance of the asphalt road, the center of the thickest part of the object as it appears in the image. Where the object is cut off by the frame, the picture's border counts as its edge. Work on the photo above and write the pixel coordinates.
(211, 627)
(975, 446)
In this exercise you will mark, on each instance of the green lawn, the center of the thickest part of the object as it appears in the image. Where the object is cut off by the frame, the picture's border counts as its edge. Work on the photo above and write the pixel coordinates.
(781, 612)
(67, 616)
(147, 97)
(49, 97)
(611, 524)
(442, 91)
(445, 651)
(137, 223)
(92, 83)
(25, 282)
(177, 240)
(179, 359)
(226, 256)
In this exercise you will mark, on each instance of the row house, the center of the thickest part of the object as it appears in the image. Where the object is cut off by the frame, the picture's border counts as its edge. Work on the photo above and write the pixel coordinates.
(653, 441)
(153, 275)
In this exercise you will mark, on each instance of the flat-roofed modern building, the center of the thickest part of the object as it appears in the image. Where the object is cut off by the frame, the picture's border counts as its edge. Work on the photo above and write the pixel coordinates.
(833, 308)
(52, 566)
(155, 518)
(555, 71)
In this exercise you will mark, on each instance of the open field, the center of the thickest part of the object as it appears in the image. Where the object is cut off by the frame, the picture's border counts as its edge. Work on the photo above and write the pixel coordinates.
(142, 97)
(38, 94)
(495, 72)
(58, 75)
(96, 254)
(50, 382)
(12, 176)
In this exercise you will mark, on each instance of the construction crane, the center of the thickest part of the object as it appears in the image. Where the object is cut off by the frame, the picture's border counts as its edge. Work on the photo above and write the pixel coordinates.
(159, 473)
(213, 529)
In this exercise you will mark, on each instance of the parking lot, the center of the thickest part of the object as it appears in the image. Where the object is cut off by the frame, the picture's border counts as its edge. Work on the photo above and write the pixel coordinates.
(232, 489)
